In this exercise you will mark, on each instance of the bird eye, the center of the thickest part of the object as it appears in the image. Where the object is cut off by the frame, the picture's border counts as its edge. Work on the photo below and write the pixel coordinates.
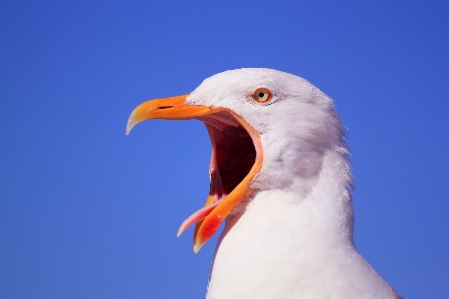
(262, 95)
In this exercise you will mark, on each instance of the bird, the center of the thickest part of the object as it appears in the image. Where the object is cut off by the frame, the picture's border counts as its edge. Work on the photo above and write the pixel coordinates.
(280, 180)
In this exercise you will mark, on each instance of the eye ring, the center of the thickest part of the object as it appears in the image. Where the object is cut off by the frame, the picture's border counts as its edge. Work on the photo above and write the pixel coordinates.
(262, 95)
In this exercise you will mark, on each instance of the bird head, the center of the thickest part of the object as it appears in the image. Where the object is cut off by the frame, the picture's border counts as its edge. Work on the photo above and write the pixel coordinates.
(268, 129)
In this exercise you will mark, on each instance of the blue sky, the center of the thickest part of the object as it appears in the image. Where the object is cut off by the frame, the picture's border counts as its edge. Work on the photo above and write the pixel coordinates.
(86, 212)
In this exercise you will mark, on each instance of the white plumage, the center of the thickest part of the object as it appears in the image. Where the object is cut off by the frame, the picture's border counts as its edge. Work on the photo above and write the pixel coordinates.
(292, 236)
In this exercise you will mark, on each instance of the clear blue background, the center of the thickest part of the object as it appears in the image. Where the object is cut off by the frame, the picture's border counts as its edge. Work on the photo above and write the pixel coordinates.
(89, 213)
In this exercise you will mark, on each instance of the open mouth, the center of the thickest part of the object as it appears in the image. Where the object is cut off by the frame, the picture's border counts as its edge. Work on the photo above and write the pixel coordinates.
(233, 156)
(236, 158)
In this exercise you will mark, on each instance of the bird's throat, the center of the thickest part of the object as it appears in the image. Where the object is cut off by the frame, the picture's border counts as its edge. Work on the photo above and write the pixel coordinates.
(301, 230)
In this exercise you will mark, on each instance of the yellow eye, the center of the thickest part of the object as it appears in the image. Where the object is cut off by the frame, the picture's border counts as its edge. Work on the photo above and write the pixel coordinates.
(262, 95)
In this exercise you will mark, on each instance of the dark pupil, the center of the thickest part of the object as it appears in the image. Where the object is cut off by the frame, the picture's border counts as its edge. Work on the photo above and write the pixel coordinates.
(261, 95)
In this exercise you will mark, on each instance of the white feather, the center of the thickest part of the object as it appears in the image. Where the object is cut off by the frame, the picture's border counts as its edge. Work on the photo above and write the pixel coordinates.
(294, 237)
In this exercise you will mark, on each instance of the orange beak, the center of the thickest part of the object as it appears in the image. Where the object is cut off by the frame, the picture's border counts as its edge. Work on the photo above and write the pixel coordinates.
(209, 218)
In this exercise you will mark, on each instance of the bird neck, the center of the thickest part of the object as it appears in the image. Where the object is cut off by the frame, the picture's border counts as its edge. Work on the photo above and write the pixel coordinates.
(317, 211)
(303, 229)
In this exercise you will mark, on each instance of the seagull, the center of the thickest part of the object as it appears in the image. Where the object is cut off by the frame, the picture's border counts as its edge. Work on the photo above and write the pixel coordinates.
(280, 180)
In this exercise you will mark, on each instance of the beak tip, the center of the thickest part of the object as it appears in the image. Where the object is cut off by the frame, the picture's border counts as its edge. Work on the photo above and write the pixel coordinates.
(130, 125)
(198, 245)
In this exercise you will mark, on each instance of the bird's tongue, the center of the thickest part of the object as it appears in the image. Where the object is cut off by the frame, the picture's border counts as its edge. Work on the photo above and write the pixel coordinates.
(216, 193)
(197, 216)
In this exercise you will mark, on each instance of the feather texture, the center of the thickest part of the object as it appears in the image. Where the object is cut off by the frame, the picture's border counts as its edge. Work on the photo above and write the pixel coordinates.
(293, 237)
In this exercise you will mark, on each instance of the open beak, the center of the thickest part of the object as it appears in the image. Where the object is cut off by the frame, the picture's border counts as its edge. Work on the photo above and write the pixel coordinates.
(236, 158)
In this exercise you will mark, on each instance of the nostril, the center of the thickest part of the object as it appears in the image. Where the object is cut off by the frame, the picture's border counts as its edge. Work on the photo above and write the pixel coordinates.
(165, 107)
